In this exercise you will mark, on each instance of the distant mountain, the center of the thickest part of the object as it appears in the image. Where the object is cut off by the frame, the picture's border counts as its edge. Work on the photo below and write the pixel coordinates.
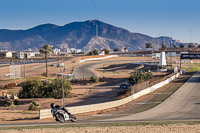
(80, 35)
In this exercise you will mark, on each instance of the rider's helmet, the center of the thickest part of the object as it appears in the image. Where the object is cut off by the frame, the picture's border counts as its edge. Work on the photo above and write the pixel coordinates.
(52, 105)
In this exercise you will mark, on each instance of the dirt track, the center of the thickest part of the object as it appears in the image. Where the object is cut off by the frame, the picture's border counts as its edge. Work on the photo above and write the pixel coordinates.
(179, 128)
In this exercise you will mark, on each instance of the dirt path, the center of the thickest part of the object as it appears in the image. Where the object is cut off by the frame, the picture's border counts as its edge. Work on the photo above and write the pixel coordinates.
(176, 128)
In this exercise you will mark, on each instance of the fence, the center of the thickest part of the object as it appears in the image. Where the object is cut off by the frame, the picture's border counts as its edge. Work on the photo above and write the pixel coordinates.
(46, 113)
(99, 58)
(139, 87)
(15, 71)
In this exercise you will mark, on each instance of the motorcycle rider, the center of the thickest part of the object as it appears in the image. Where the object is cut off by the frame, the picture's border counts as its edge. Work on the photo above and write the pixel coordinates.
(67, 115)
(53, 108)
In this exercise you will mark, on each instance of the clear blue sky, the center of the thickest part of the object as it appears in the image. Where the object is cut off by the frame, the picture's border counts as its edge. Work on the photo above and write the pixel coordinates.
(177, 18)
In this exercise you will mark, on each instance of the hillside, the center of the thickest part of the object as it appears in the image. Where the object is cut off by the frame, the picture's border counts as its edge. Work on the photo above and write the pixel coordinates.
(80, 35)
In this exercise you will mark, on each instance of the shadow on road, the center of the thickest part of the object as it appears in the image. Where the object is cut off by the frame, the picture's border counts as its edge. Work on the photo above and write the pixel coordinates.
(192, 79)
(32, 118)
(104, 96)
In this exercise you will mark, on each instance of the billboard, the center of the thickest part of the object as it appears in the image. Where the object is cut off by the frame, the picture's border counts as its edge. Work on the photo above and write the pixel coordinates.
(190, 56)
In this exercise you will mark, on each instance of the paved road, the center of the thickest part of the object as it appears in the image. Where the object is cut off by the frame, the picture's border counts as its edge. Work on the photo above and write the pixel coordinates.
(85, 71)
(184, 104)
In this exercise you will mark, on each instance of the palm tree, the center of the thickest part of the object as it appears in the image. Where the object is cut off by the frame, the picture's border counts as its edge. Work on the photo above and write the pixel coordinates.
(116, 49)
(148, 45)
(163, 47)
(182, 45)
(174, 46)
(46, 49)
(191, 45)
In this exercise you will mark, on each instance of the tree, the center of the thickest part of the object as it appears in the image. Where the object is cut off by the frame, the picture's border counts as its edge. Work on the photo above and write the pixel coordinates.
(182, 45)
(198, 45)
(139, 76)
(174, 46)
(125, 49)
(46, 49)
(95, 52)
(116, 49)
(191, 45)
(31, 89)
(164, 47)
(148, 45)
(52, 88)
(106, 51)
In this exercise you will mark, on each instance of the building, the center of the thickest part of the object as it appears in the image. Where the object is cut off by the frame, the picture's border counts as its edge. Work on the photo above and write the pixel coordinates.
(56, 51)
(156, 55)
(102, 52)
(20, 55)
(6, 54)
(78, 51)
(27, 55)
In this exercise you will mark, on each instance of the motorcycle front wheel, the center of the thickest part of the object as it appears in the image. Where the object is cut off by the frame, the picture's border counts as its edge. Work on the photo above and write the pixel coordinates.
(60, 117)
(73, 118)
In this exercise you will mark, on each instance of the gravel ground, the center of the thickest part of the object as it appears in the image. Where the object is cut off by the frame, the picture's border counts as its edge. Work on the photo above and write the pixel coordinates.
(175, 128)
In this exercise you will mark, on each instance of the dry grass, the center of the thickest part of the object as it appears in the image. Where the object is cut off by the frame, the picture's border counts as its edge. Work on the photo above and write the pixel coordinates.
(113, 128)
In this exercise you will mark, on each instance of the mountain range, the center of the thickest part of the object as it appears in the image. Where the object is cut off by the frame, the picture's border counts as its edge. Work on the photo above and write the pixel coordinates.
(79, 35)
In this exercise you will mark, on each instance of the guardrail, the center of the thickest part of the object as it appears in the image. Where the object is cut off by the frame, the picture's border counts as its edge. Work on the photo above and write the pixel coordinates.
(46, 113)
(100, 58)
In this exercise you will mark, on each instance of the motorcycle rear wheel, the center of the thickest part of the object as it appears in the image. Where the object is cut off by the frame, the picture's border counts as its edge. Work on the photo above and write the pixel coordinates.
(60, 117)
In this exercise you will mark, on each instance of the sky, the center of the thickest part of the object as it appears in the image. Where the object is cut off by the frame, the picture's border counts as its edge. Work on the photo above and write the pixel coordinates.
(179, 19)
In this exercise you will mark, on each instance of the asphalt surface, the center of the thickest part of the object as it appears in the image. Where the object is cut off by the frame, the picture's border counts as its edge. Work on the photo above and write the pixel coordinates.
(184, 104)
(85, 71)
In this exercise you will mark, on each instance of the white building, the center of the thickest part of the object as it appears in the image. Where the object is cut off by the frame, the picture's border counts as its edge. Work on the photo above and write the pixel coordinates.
(28, 55)
(20, 55)
(56, 51)
(6, 54)
(156, 55)
(102, 52)
(65, 50)
(171, 54)
(78, 51)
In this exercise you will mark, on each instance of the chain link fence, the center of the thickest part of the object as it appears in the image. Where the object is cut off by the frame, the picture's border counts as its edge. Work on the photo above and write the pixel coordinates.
(139, 87)
(15, 71)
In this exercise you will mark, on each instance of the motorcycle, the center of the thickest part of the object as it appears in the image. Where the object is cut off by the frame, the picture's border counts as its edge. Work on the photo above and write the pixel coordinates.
(62, 114)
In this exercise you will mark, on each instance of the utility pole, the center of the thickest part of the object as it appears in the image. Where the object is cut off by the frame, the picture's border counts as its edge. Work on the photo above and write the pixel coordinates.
(63, 95)
(171, 54)
(62, 82)
(24, 66)
(96, 30)
(24, 61)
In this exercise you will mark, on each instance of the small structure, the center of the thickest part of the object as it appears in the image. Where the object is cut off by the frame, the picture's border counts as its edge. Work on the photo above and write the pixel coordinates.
(15, 72)
(102, 52)
(56, 51)
(156, 55)
(28, 55)
(7, 96)
(163, 61)
(6, 54)
(171, 54)
(20, 55)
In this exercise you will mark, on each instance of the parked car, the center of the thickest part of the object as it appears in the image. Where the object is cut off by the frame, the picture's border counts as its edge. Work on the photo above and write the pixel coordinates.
(125, 86)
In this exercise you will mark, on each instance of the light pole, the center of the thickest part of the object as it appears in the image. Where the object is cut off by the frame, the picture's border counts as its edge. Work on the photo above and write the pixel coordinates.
(24, 61)
(63, 92)
(24, 67)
